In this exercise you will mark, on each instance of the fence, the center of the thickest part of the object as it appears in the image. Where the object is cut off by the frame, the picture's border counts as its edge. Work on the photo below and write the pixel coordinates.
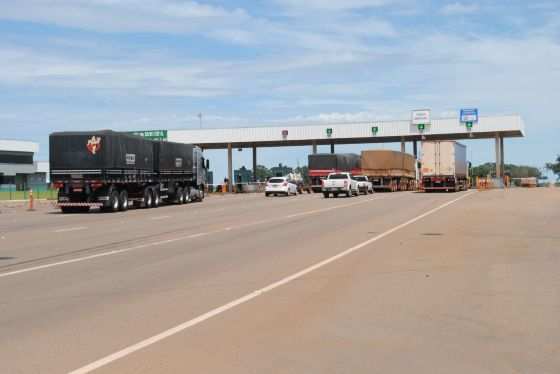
(10, 192)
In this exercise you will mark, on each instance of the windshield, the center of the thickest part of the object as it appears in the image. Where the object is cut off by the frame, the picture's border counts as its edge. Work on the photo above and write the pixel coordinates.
(361, 179)
(338, 176)
(276, 180)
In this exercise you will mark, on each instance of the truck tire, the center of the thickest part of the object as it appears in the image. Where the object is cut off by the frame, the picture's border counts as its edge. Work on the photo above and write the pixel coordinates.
(156, 199)
(179, 195)
(123, 201)
(186, 195)
(147, 201)
(326, 195)
(113, 201)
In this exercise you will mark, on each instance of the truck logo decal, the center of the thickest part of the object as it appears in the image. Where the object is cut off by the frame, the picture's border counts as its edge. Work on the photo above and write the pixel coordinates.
(94, 145)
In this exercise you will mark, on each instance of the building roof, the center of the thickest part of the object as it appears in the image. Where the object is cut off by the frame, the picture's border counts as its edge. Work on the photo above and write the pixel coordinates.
(18, 146)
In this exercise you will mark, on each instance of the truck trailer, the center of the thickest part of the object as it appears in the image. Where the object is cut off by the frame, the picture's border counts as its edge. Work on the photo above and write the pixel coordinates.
(389, 170)
(322, 164)
(114, 171)
(444, 166)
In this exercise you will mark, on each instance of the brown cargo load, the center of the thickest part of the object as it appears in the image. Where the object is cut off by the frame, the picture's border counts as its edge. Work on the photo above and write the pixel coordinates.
(378, 163)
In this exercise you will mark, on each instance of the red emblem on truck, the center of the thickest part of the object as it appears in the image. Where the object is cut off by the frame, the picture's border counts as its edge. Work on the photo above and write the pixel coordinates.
(94, 144)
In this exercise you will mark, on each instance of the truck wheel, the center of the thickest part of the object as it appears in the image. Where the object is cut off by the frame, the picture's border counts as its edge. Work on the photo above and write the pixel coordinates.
(114, 201)
(156, 200)
(186, 195)
(326, 195)
(179, 195)
(123, 201)
(147, 202)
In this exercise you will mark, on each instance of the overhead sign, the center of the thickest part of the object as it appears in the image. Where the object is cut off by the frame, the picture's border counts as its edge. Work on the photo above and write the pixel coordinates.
(329, 132)
(152, 134)
(421, 117)
(469, 115)
(374, 130)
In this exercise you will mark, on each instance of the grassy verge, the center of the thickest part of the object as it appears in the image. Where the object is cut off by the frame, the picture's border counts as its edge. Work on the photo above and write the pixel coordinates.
(24, 195)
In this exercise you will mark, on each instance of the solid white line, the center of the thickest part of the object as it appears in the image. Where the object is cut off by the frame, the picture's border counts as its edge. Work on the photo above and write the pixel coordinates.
(159, 218)
(219, 310)
(167, 241)
(71, 229)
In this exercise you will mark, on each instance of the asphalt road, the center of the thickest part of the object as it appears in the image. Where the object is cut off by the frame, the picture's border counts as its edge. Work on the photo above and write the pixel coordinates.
(386, 283)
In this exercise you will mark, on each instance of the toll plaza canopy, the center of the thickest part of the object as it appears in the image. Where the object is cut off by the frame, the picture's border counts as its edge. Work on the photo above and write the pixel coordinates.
(350, 133)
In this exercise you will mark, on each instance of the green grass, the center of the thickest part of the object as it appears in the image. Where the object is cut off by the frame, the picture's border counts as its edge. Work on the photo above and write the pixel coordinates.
(24, 195)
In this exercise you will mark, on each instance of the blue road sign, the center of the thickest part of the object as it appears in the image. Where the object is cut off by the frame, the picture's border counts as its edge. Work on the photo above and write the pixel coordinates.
(469, 115)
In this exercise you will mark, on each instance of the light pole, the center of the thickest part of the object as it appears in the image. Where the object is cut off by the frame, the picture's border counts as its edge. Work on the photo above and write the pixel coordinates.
(200, 119)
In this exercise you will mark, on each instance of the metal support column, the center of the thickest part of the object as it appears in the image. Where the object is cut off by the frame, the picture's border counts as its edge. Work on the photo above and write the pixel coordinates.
(415, 149)
(254, 163)
(502, 162)
(230, 167)
(403, 146)
(498, 157)
(314, 148)
(332, 148)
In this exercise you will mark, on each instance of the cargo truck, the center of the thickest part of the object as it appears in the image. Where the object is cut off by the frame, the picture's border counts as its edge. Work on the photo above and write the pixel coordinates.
(114, 171)
(444, 166)
(389, 170)
(322, 164)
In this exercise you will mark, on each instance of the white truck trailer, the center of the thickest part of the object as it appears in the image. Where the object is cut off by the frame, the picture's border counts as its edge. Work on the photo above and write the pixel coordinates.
(444, 166)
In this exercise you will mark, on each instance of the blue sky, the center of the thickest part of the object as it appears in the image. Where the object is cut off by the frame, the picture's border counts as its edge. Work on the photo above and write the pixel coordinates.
(128, 65)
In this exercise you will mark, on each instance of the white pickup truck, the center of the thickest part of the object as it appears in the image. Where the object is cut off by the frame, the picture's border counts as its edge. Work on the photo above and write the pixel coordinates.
(364, 185)
(339, 183)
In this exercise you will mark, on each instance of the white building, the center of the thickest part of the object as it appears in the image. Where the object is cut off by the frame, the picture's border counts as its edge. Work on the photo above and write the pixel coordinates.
(18, 169)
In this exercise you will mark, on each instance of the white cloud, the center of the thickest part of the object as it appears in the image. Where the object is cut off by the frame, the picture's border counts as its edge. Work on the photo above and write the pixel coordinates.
(164, 16)
(459, 8)
(331, 5)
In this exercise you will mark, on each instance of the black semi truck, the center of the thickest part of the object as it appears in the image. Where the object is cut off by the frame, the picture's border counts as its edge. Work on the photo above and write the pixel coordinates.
(114, 171)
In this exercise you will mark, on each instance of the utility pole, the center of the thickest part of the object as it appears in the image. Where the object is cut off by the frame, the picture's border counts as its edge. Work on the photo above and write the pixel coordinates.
(200, 119)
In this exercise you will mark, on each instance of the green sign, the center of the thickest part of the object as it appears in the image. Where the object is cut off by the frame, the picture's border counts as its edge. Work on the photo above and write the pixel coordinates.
(421, 127)
(469, 125)
(329, 132)
(152, 134)
(374, 130)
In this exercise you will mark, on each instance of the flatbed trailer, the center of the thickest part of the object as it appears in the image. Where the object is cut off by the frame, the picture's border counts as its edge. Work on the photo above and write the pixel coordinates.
(115, 171)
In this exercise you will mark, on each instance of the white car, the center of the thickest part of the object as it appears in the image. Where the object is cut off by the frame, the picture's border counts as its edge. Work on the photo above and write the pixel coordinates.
(340, 184)
(364, 185)
(280, 186)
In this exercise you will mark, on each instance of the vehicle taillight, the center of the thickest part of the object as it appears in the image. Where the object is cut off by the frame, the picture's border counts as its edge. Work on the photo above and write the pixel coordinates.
(285, 184)
(345, 183)
(58, 185)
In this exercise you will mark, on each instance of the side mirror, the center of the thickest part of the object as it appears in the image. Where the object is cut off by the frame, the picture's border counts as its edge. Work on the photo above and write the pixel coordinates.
(207, 164)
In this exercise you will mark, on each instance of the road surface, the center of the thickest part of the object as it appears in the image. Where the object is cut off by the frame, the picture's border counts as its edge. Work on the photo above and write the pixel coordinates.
(385, 283)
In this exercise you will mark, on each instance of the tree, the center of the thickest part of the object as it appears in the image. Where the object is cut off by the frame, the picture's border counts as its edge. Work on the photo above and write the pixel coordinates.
(555, 167)
(263, 173)
(515, 171)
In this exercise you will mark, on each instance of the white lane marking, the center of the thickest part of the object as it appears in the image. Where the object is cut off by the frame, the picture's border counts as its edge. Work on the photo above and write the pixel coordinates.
(98, 255)
(167, 241)
(219, 310)
(69, 229)
(159, 218)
